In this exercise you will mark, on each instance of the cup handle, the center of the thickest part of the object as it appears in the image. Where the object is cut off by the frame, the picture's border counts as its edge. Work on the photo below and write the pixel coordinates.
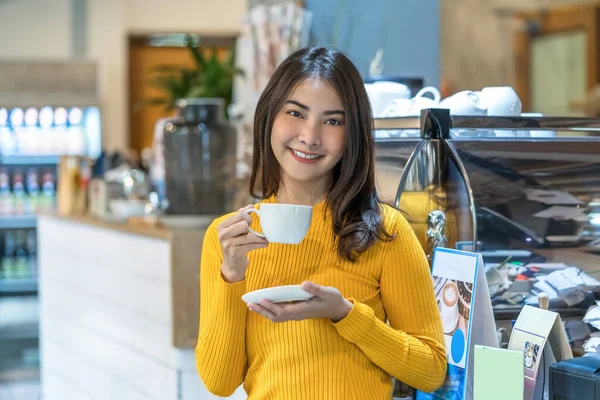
(257, 212)
(430, 89)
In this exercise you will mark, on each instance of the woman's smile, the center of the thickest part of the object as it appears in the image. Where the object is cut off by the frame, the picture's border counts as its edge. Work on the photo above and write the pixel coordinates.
(305, 157)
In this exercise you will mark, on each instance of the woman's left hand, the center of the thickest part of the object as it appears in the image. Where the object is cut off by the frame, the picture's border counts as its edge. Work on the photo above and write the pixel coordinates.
(327, 302)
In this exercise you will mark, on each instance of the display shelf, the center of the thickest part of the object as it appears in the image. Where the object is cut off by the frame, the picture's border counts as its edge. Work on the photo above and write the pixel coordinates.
(18, 332)
(18, 285)
(29, 159)
(27, 221)
(11, 373)
(495, 190)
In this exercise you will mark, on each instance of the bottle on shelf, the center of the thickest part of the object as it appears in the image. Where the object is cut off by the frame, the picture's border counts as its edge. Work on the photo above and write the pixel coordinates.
(33, 191)
(18, 192)
(21, 258)
(8, 261)
(8, 144)
(76, 141)
(59, 131)
(48, 196)
(1, 253)
(28, 138)
(45, 133)
(6, 197)
(32, 252)
(19, 254)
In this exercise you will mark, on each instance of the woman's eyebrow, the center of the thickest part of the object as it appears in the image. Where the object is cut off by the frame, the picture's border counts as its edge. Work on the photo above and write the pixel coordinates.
(307, 108)
(297, 103)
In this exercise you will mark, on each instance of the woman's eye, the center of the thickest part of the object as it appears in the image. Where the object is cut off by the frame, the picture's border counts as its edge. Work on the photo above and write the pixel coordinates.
(334, 122)
(295, 114)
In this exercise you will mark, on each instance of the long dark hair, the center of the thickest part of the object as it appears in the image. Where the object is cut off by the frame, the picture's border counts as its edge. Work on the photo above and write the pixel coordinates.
(352, 197)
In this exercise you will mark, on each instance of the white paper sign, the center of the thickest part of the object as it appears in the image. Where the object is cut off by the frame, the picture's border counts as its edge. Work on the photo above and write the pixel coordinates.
(458, 279)
(540, 335)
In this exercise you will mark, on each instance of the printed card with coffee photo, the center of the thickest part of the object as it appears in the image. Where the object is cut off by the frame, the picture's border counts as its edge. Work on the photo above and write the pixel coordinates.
(454, 303)
(531, 345)
(453, 279)
(539, 334)
(530, 355)
(456, 278)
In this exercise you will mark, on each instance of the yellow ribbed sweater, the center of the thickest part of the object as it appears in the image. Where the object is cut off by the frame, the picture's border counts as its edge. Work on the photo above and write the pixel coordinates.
(318, 359)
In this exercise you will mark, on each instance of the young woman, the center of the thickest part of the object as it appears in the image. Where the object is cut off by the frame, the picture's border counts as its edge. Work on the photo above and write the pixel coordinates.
(313, 145)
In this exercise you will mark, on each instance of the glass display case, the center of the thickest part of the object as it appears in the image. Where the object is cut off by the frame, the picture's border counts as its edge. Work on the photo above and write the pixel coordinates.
(32, 140)
(522, 191)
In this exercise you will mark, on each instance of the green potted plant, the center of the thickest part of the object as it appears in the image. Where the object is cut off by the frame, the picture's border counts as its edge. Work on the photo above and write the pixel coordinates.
(208, 78)
(198, 145)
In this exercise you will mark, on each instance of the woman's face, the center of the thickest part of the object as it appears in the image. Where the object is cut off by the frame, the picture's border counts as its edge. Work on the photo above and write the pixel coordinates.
(308, 133)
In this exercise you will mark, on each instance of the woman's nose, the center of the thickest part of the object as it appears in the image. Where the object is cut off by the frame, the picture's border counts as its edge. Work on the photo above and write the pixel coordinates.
(310, 135)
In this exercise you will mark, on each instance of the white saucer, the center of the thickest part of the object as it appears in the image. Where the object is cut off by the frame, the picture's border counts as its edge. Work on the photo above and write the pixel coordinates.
(278, 294)
(449, 318)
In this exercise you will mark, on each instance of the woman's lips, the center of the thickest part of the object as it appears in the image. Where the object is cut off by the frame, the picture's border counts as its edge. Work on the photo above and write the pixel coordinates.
(305, 158)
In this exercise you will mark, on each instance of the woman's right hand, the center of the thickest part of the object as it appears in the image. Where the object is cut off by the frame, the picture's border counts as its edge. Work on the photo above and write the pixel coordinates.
(236, 241)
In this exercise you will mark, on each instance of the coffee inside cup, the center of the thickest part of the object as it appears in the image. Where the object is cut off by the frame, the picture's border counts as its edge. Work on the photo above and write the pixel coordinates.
(450, 294)
(530, 353)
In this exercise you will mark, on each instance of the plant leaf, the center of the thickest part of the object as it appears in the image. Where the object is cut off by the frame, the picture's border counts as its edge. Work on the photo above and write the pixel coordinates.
(198, 91)
(169, 84)
(211, 77)
(196, 53)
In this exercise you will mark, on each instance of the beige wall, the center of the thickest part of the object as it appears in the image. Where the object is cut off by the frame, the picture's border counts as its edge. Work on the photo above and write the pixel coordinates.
(212, 16)
(476, 43)
(35, 29)
(42, 29)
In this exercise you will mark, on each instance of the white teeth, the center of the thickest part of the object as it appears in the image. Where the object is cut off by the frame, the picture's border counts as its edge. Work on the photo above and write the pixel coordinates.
(307, 156)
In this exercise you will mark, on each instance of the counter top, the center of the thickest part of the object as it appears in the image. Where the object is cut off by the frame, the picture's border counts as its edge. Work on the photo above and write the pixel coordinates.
(185, 245)
(145, 227)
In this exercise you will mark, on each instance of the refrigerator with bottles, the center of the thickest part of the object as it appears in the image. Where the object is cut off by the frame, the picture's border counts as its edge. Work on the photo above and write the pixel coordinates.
(37, 127)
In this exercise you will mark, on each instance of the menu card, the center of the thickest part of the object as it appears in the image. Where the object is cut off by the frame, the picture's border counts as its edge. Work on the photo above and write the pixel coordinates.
(467, 318)
(498, 374)
(540, 336)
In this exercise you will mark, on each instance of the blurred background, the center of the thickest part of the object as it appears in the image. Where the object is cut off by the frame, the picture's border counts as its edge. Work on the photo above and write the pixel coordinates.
(126, 126)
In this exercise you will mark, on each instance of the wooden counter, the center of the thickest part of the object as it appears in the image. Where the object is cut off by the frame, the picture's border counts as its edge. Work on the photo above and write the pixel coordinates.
(151, 230)
(119, 308)
(185, 247)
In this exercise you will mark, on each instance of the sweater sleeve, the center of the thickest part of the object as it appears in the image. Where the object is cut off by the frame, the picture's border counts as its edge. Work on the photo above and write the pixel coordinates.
(221, 348)
(411, 348)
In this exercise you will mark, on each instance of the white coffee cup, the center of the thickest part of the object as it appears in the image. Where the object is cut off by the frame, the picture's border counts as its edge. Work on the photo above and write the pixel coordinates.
(436, 96)
(382, 93)
(529, 358)
(500, 101)
(449, 304)
(463, 103)
(282, 223)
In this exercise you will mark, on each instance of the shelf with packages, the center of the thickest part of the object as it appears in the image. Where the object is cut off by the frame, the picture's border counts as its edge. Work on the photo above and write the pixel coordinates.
(19, 346)
(18, 285)
(22, 221)
(29, 331)
(41, 159)
(522, 191)
(26, 189)
(31, 141)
